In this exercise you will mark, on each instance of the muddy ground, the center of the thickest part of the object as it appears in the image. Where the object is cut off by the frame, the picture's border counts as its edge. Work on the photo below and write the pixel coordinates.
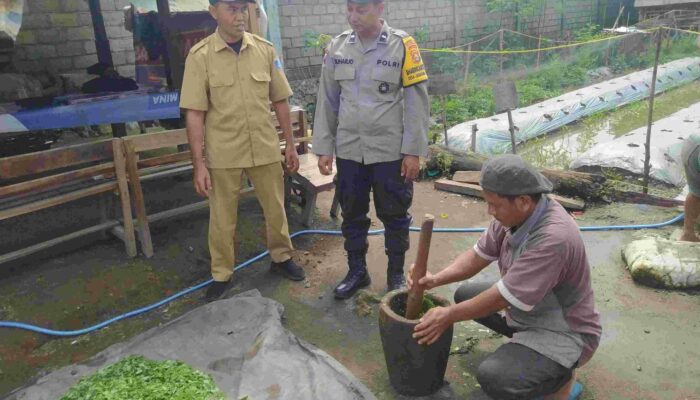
(650, 347)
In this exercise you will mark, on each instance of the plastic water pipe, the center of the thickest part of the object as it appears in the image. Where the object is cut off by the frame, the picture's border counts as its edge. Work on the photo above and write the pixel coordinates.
(60, 333)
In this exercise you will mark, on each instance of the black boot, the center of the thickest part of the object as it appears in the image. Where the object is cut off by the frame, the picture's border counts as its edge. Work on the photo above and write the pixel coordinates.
(395, 278)
(357, 276)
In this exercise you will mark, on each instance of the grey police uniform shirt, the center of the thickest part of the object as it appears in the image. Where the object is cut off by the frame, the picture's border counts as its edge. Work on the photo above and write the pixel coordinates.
(364, 113)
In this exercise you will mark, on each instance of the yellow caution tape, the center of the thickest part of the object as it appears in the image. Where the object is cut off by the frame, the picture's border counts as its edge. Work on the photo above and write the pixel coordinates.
(525, 51)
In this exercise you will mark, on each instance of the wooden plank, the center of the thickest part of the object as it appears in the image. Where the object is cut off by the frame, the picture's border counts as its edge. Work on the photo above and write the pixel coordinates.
(477, 191)
(124, 197)
(47, 160)
(165, 159)
(54, 201)
(50, 182)
(467, 176)
(459, 187)
(56, 241)
(139, 203)
(157, 140)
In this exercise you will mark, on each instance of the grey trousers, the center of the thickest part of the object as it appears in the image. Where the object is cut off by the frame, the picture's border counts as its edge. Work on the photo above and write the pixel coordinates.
(513, 371)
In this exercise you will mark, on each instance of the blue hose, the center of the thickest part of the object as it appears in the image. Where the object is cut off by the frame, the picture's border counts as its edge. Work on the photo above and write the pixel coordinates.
(52, 332)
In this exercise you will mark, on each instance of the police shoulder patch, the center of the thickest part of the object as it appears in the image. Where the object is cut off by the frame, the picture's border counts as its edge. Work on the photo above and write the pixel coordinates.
(413, 68)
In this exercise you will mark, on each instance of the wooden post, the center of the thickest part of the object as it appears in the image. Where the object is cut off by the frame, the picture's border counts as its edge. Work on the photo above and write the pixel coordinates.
(455, 18)
(511, 128)
(652, 95)
(414, 302)
(468, 63)
(474, 130)
(444, 119)
(132, 170)
(163, 14)
(253, 26)
(124, 198)
(104, 53)
(500, 56)
(539, 46)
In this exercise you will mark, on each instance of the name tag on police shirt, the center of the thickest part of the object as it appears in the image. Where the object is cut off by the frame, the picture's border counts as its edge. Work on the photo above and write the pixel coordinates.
(413, 67)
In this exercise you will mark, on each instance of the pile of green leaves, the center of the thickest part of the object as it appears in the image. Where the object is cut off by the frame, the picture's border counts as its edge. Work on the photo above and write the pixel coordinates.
(137, 378)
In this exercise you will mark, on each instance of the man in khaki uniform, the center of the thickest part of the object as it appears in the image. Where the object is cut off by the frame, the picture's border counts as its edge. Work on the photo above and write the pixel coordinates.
(230, 79)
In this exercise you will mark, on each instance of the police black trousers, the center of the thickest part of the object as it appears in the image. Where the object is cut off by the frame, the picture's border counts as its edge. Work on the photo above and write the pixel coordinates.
(392, 199)
(513, 371)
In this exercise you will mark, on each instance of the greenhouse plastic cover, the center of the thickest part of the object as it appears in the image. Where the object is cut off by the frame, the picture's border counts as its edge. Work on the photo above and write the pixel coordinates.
(627, 152)
(240, 342)
(493, 136)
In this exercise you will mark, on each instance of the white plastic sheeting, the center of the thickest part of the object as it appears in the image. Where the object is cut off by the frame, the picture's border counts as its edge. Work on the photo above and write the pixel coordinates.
(541, 118)
(662, 262)
(627, 152)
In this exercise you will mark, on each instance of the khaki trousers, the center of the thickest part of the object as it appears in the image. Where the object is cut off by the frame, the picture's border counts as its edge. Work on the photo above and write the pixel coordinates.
(268, 181)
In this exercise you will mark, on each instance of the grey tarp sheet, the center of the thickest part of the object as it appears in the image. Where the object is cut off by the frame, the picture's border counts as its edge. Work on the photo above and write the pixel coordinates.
(240, 342)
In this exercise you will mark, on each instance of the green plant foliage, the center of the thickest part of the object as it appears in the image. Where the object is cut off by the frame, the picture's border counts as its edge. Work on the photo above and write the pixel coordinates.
(426, 305)
(422, 34)
(444, 162)
(315, 40)
(137, 378)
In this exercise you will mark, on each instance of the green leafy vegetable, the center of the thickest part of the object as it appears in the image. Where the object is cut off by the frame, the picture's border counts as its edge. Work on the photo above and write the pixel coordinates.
(137, 378)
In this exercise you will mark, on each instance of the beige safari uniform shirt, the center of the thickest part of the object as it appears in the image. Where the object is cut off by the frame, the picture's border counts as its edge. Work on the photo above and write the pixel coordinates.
(235, 90)
(373, 103)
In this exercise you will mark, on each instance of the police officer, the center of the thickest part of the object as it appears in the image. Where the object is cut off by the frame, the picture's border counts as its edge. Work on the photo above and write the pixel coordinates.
(372, 113)
(230, 79)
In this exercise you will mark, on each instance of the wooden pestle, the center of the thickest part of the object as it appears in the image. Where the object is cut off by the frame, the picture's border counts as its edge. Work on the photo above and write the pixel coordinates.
(415, 295)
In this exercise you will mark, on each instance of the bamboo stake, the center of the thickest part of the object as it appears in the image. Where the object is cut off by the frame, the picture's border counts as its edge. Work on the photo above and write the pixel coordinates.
(652, 95)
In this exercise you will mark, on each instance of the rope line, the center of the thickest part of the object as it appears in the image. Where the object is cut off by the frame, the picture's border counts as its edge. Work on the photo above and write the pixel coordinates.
(526, 51)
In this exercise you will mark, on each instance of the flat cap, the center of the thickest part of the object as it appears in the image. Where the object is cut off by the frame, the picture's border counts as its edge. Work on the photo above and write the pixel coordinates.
(510, 175)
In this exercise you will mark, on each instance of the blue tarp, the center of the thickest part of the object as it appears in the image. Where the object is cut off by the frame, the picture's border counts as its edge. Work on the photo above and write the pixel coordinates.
(127, 108)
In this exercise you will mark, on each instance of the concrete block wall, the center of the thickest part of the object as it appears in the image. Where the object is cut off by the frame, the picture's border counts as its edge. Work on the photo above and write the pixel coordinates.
(57, 35)
(449, 23)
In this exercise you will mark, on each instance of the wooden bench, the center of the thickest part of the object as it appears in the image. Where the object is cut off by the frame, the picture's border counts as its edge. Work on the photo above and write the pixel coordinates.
(176, 163)
(42, 180)
(309, 182)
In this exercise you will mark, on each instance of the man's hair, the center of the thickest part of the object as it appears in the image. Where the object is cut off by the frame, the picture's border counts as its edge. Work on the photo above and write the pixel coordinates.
(534, 196)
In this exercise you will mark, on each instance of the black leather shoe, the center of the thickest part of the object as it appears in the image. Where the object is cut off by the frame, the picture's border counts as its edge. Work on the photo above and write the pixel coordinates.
(289, 269)
(395, 282)
(354, 281)
(216, 290)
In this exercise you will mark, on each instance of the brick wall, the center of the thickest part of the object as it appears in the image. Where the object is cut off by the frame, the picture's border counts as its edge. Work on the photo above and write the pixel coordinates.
(444, 20)
(58, 35)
